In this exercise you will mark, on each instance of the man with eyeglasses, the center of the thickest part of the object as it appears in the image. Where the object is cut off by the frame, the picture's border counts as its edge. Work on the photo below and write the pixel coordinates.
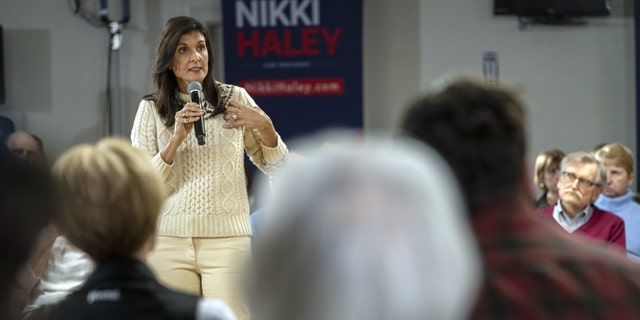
(580, 184)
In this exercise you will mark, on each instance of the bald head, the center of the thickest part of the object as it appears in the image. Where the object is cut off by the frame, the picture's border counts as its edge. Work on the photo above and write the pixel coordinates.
(27, 147)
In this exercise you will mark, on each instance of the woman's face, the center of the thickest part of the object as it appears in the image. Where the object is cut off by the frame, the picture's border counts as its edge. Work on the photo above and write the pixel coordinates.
(618, 180)
(551, 176)
(191, 60)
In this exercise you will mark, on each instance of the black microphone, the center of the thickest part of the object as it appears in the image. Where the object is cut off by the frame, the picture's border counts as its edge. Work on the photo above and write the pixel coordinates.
(195, 89)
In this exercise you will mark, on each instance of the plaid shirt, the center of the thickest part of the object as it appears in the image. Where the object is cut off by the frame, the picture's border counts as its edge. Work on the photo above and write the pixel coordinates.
(533, 269)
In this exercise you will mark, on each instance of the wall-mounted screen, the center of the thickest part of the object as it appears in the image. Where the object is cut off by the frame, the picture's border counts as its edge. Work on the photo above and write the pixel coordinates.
(552, 7)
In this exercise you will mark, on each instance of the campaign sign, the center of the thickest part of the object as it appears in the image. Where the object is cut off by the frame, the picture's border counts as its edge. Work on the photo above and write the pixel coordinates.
(301, 60)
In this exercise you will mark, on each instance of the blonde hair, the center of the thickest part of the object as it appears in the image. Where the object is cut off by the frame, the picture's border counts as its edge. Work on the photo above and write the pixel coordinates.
(110, 196)
(616, 154)
(544, 160)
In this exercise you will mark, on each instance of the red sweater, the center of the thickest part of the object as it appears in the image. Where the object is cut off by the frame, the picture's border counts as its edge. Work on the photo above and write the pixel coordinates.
(603, 225)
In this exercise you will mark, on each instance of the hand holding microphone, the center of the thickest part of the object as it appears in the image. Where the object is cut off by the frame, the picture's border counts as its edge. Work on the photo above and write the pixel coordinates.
(195, 93)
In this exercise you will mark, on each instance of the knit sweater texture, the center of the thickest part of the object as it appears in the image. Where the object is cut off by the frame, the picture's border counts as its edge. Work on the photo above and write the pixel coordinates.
(603, 226)
(206, 184)
(629, 210)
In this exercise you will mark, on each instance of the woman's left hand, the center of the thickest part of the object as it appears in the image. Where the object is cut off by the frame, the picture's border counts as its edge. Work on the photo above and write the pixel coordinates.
(238, 115)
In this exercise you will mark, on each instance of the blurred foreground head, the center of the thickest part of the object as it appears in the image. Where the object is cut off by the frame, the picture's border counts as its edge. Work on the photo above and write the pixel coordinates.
(479, 129)
(364, 229)
(110, 197)
(27, 202)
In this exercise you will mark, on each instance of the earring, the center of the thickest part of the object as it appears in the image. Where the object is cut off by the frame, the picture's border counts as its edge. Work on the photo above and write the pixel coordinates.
(541, 185)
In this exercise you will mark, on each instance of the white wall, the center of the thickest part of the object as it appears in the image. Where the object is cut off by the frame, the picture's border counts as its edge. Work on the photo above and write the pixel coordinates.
(391, 70)
(78, 70)
(578, 81)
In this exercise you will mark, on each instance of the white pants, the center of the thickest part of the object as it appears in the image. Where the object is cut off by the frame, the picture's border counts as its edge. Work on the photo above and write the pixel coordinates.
(209, 267)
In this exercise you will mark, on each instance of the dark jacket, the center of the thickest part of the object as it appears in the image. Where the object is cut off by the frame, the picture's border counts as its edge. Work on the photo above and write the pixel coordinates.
(122, 289)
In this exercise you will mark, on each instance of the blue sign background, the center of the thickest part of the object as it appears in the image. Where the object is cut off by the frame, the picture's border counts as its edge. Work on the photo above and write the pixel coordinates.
(288, 58)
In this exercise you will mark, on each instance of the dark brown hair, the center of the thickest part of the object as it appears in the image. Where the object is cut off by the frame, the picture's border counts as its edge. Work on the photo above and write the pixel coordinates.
(479, 129)
(166, 97)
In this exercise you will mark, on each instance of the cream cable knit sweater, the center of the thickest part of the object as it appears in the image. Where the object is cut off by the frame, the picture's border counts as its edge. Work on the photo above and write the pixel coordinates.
(206, 185)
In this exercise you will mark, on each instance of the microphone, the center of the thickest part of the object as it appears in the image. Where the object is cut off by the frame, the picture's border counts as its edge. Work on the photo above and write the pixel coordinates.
(195, 88)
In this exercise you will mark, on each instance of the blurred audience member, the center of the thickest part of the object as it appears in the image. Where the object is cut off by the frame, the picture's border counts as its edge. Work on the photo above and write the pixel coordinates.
(30, 275)
(26, 204)
(546, 175)
(579, 187)
(533, 268)
(7, 127)
(364, 232)
(255, 226)
(256, 216)
(67, 268)
(617, 196)
(111, 197)
(28, 147)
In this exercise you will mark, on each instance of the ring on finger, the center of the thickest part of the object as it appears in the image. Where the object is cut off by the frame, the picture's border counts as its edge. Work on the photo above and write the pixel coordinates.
(234, 116)
(184, 120)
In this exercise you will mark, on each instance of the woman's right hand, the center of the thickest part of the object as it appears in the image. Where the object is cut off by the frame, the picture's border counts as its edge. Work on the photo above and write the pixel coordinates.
(185, 118)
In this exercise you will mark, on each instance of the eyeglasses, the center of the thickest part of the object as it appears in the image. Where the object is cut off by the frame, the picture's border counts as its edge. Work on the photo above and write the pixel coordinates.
(570, 177)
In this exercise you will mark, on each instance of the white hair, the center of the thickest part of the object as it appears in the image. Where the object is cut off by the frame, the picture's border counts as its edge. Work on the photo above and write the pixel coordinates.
(365, 229)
